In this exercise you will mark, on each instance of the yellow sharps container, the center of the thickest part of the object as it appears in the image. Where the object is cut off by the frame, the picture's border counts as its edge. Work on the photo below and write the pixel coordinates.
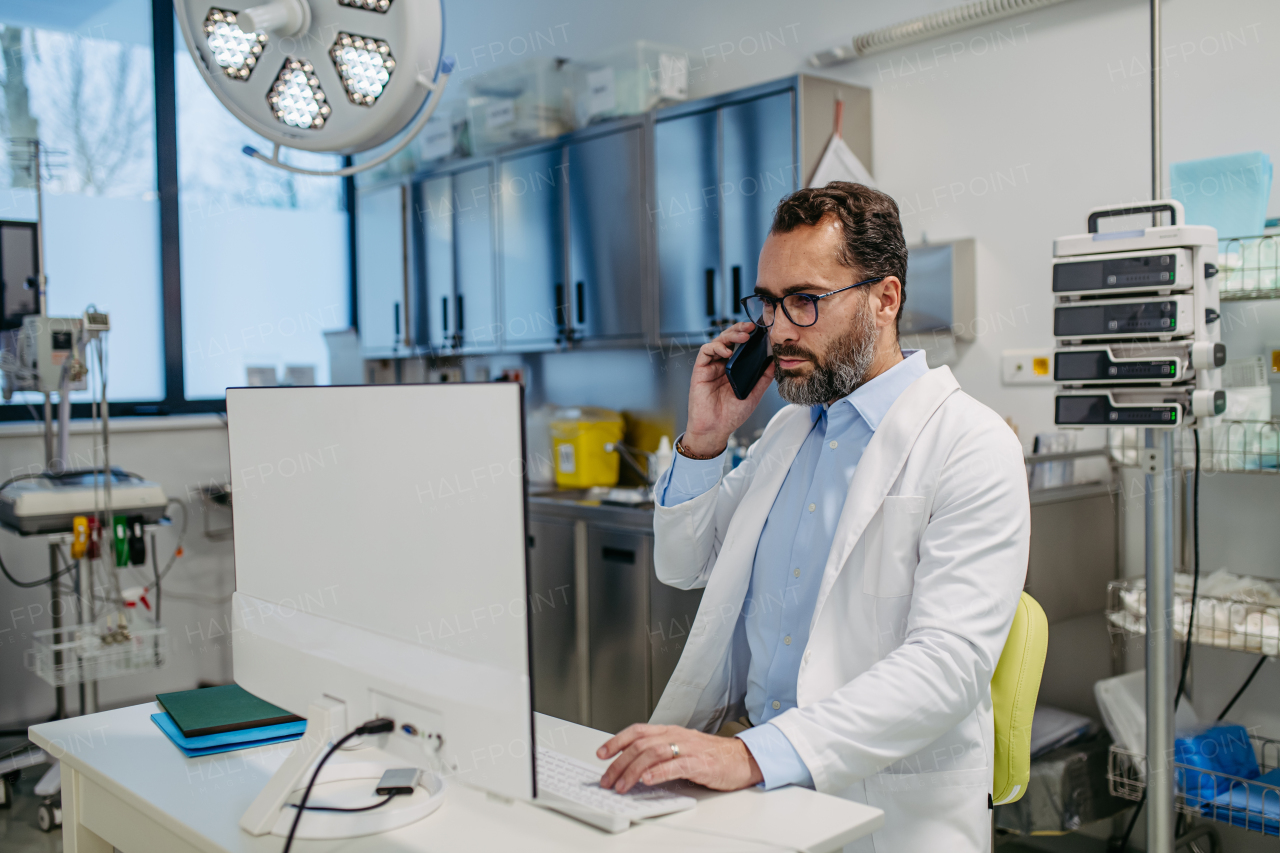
(578, 438)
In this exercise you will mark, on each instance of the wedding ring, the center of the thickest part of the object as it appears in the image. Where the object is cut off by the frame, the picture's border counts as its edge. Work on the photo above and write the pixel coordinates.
(675, 751)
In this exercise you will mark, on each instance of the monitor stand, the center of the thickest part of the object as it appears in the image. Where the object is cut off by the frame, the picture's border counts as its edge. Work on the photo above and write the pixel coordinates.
(326, 721)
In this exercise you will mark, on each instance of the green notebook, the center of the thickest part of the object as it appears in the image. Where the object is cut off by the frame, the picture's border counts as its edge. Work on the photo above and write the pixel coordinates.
(214, 710)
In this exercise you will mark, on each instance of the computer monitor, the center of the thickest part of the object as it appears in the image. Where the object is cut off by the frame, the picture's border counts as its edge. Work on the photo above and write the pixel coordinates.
(380, 561)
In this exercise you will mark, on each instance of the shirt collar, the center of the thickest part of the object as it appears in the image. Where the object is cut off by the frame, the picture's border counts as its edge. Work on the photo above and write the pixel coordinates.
(873, 399)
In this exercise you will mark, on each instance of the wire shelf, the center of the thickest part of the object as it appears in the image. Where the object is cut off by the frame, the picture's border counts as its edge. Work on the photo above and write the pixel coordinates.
(1246, 621)
(1242, 802)
(94, 652)
(1240, 446)
(1249, 268)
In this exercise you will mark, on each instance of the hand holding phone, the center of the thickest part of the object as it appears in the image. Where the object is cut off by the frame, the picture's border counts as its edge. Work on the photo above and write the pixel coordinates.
(749, 362)
(716, 407)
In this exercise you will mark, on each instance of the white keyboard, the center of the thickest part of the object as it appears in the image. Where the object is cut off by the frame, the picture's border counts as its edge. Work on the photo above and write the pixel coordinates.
(573, 787)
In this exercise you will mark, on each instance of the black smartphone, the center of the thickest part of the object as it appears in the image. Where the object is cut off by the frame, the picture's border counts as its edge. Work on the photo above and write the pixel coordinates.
(748, 363)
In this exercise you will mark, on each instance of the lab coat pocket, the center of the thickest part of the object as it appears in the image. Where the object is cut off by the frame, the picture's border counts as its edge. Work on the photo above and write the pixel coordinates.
(893, 547)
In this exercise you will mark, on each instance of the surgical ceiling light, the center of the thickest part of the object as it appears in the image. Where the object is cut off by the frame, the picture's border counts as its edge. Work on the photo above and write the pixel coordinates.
(362, 48)
(365, 66)
(235, 51)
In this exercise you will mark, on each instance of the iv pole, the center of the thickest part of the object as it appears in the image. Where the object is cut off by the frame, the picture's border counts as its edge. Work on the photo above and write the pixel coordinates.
(1157, 459)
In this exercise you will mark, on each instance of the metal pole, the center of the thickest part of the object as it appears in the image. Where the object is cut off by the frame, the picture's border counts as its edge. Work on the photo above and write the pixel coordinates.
(1158, 459)
(41, 278)
(55, 614)
(1157, 144)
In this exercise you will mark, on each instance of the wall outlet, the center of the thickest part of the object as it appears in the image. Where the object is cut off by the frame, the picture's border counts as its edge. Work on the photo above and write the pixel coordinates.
(1026, 366)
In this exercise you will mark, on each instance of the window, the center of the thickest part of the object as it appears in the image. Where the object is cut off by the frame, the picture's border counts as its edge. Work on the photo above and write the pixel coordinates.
(79, 77)
(265, 264)
(262, 265)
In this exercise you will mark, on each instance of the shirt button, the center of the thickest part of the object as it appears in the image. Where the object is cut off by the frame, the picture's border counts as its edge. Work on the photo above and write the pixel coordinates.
(795, 572)
(776, 704)
(833, 445)
(812, 507)
(786, 640)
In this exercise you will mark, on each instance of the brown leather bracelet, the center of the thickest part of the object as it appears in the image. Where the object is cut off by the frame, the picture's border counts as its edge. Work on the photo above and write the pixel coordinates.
(687, 455)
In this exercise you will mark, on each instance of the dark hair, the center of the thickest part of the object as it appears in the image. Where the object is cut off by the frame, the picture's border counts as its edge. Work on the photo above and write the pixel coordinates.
(873, 242)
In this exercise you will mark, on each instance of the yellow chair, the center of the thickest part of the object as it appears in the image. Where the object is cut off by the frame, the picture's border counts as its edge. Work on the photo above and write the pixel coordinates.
(1013, 697)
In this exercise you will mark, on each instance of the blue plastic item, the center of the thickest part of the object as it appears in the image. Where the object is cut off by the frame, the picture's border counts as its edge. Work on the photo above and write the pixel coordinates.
(1224, 749)
(1249, 804)
(228, 741)
(1230, 193)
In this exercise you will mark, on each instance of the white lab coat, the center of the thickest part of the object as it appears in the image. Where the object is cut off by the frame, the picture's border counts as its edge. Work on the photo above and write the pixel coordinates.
(917, 596)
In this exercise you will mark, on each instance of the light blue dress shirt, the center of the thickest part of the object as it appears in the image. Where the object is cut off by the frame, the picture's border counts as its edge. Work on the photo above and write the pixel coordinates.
(792, 553)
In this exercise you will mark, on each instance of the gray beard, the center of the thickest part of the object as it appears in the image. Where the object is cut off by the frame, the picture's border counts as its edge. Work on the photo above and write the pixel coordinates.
(846, 364)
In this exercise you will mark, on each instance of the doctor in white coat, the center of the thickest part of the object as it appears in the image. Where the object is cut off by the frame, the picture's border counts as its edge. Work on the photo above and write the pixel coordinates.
(861, 567)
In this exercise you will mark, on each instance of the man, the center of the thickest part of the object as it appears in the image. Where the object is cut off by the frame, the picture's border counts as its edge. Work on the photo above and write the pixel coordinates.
(861, 566)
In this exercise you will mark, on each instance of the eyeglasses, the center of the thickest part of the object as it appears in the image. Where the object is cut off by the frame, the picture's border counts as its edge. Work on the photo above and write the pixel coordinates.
(801, 308)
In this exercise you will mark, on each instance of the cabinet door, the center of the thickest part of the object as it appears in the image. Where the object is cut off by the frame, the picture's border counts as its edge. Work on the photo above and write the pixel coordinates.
(671, 615)
(436, 222)
(533, 293)
(686, 221)
(607, 236)
(475, 309)
(618, 568)
(380, 268)
(760, 167)
(553, 620)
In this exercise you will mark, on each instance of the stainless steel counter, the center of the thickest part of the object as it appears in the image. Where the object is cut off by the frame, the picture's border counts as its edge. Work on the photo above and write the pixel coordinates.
(606, 633)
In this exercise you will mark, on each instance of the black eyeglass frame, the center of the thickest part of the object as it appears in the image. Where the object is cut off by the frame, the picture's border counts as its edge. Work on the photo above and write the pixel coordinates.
(776, 303)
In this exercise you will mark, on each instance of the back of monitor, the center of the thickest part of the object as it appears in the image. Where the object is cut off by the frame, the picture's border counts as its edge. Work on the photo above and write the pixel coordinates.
(381, 564)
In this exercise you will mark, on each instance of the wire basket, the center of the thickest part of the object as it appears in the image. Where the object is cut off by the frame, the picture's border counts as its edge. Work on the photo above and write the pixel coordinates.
(1249, 267)
(1248, 446)
(76, 653)
(1242, 802)
(1227, 623)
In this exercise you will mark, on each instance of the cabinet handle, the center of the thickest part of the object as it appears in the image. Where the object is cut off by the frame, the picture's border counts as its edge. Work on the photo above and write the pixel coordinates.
(618, 555)
(562, 310)
(711, 293)
(444, 312)
(737, 290)
(582, 305)
(461, 324)
(396, 311)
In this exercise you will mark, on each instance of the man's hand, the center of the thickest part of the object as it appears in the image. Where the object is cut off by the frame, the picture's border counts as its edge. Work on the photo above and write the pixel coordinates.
(714, 411)
(720, 763)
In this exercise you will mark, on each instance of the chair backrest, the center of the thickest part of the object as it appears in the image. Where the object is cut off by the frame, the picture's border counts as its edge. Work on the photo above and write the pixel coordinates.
(1013, 697)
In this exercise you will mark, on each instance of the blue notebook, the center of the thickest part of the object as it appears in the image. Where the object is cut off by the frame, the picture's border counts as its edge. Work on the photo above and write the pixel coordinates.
(228, 741)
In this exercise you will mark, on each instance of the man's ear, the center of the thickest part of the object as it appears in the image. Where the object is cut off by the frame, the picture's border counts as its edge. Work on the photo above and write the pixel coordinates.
(887, 301)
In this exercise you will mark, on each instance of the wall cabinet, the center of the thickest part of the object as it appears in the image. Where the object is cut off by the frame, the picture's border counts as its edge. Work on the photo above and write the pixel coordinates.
(629, 232)
(456, 309)
(381, 269)
(607, 236)
(532, 260)
(721, 167)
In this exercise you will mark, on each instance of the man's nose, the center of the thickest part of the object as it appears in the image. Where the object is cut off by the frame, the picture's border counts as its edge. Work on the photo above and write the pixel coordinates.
(783, 330)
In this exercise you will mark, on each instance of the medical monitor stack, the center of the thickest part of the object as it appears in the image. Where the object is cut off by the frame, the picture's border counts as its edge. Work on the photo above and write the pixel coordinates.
(1136, 324)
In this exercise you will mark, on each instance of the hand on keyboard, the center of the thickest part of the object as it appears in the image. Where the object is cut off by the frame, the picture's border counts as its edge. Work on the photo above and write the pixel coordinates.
(645, 755)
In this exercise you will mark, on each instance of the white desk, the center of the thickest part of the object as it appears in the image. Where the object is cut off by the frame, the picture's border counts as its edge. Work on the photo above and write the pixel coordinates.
(124, 784)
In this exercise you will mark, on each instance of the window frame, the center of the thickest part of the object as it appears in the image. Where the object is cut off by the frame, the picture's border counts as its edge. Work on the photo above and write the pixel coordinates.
(164, 67)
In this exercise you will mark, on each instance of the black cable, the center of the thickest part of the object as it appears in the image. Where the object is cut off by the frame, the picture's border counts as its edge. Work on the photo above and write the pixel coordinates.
(389, 798)
(1244, 686)
(65, 570)
(1195, 582)
(1191, 626)
(373, 727)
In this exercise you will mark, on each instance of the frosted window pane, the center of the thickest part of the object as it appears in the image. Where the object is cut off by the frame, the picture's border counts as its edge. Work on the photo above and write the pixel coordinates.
(265, 267)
